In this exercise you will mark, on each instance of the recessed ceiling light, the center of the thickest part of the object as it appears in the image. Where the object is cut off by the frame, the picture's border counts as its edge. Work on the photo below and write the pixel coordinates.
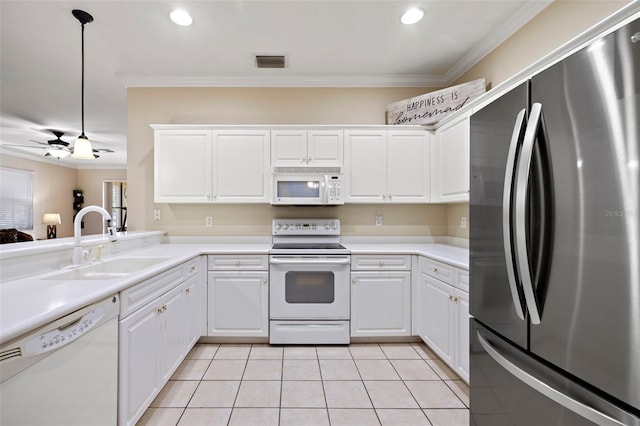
(181, 17)
(412, 16)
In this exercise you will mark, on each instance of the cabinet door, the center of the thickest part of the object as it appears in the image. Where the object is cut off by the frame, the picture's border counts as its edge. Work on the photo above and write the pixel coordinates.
(289, 148)
(365, 166)
(462, 334)
(172, 347)
(194, 299)
(381, 303)
(138, 368)
(325, 148)
(240, 164)
(451, 163)
(408, 166)
(438, 317)
(238, 303)
(182, 165)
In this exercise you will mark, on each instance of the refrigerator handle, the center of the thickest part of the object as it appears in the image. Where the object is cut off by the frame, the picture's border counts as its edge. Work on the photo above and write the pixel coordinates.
(550, 392)
(507, 223)
(522, 187)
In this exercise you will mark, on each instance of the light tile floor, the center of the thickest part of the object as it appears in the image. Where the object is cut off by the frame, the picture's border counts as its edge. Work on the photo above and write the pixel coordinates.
(401, 384)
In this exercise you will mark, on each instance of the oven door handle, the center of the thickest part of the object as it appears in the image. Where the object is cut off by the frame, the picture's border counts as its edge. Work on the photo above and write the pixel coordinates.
(309, 261)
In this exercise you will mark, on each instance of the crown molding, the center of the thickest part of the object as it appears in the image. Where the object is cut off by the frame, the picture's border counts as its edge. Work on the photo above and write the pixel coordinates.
(284, 80)
(510, 26)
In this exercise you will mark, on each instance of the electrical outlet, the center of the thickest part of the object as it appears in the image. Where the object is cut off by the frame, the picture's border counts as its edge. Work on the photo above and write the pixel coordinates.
(463, 222)
(379, 220)
(157, 214)
(208, 221)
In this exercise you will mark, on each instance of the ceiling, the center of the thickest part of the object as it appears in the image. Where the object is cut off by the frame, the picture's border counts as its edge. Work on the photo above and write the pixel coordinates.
(327, 43)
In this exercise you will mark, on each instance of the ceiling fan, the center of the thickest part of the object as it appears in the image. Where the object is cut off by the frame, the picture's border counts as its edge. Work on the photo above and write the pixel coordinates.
(57, 147)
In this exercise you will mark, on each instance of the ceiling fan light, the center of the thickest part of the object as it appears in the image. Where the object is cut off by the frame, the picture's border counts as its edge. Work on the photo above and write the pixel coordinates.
(181, 17)
(58, 153)
(82, 149)
(412, 16)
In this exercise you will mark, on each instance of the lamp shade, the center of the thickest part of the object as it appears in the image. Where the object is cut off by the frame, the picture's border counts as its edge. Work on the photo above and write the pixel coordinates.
(82, 149)
(51, 219)
(58, 153)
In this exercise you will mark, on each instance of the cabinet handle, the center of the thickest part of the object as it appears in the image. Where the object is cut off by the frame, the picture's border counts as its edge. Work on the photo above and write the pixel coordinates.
(237, 263)
(353, 281)
(381, 263)
(435, 270)
(193, 268)
(162, 308)
(188, 290)
(390, 196)
(264, 281)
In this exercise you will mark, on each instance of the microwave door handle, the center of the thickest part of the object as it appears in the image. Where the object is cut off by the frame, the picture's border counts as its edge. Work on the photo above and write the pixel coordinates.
(507, 222)
(325, 190)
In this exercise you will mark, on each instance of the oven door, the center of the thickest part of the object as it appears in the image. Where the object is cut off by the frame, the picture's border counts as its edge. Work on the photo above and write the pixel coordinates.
(309, 287)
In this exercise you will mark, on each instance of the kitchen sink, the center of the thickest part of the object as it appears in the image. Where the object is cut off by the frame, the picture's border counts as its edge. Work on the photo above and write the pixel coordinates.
(109, 269)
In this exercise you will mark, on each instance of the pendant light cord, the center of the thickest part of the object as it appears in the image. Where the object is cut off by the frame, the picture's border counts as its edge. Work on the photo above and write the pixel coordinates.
(82, 80)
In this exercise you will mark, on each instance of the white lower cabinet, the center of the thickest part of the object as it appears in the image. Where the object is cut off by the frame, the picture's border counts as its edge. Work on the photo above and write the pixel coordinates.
(153, 337)
(380, 295)
(443, 319)
(238, 297)
(381, 303)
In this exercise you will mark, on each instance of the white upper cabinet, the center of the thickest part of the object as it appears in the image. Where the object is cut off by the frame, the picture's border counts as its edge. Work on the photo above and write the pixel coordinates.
(387, 166)
(182, 165)
(240, 166)
(302, 148)
(205, 166)
(450, 164)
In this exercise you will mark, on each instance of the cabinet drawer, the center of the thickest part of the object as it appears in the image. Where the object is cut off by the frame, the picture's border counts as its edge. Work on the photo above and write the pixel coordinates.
(233, 262)
(139, 295)
(191, 268)
(462, 279)
(391, 262)
(438, 270)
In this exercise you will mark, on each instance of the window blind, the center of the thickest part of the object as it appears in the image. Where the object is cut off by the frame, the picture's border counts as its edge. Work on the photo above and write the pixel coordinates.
(16, 199)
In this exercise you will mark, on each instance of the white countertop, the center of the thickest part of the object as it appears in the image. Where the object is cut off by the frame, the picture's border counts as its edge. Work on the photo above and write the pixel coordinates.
(31, 302)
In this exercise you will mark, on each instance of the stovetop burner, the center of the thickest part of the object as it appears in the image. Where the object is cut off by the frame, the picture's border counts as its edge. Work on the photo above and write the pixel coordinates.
(307, 236)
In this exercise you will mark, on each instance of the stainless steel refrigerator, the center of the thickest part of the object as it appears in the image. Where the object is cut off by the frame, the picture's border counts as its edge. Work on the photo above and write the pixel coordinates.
(555, 244)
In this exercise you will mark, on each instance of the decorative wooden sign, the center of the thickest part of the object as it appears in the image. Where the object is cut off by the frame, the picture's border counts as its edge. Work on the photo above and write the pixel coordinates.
(433, 107)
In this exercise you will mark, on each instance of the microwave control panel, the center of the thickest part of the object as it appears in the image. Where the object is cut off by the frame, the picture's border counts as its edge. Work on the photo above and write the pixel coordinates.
(334, 189)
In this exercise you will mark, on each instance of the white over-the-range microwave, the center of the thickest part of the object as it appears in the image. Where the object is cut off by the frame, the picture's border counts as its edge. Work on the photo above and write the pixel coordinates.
(310, 186)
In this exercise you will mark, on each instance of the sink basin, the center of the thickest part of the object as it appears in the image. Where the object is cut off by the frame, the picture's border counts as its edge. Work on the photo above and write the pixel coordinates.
(109, 269)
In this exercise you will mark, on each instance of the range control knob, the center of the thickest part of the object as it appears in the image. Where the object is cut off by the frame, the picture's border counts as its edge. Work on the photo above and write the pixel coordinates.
(286, 226)
(327, 226)
(278, 226)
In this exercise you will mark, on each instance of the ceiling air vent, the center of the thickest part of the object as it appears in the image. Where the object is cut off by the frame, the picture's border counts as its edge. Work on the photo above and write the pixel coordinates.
(269, 61)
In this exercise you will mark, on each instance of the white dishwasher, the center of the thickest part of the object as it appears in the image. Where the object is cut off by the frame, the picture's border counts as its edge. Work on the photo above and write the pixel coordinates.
(64, 373)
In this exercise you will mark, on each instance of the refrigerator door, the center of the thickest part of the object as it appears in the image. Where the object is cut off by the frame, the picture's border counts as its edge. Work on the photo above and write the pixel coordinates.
(509, 387)
(496, 299)
(590, 316)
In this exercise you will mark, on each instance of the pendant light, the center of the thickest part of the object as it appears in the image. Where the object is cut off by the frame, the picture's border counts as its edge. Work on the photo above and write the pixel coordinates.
(82, 148)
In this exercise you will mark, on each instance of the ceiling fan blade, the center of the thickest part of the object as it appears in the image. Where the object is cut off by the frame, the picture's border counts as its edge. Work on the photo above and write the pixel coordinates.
(103, 150)
(38, 142)
(25, 146)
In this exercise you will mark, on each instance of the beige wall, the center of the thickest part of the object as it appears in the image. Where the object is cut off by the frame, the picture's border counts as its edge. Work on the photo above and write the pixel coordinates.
(560, 22)
(90, 181)
(53, 187)
(260, 106)
(52, 193)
